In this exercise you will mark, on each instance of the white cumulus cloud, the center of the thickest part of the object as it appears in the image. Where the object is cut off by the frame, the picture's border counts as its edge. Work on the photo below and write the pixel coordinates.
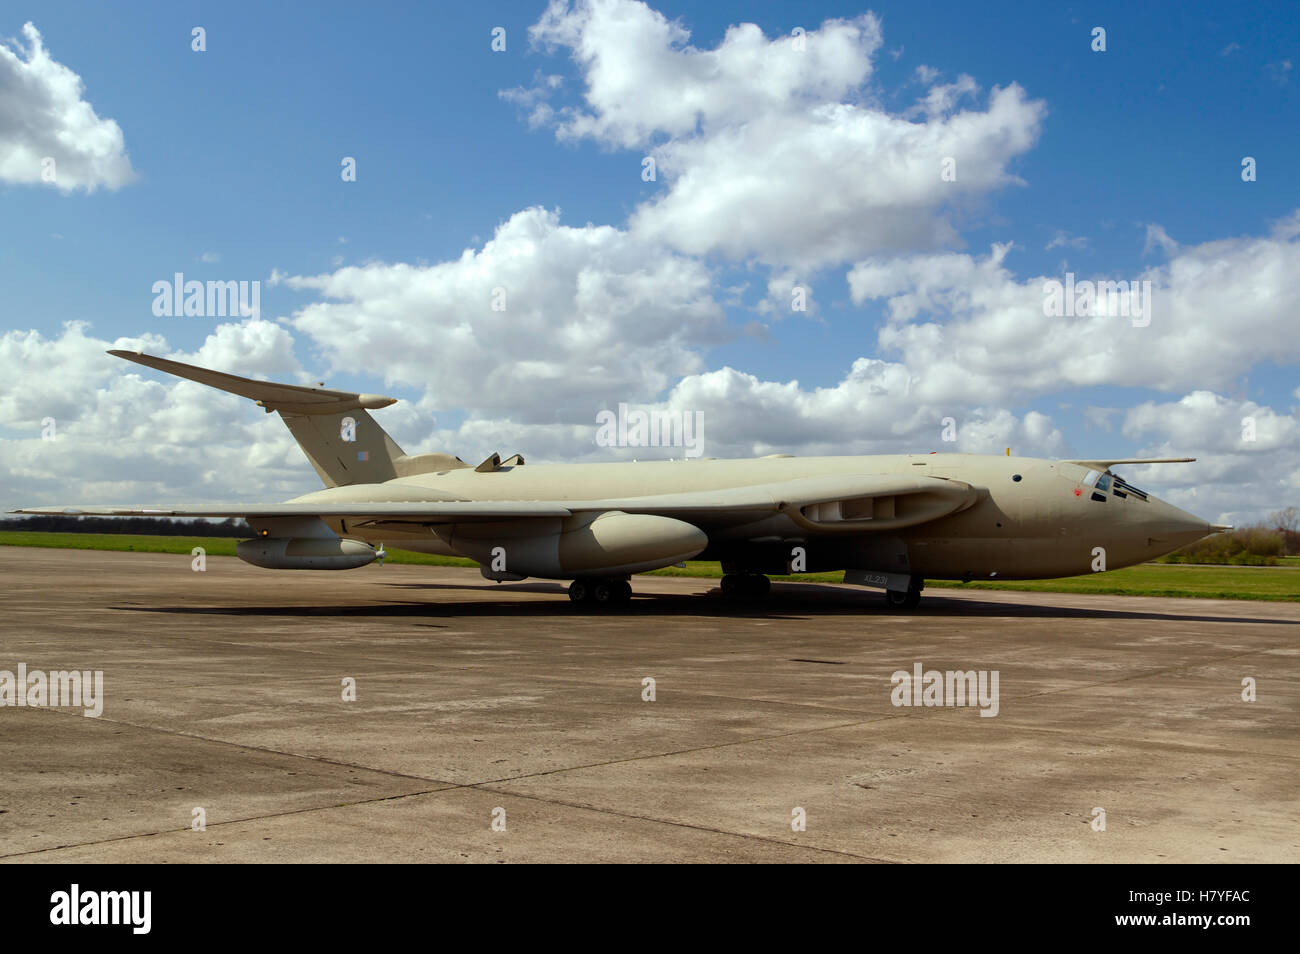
(973, 331)
(777, 149)
(582, 316)
(48, 132)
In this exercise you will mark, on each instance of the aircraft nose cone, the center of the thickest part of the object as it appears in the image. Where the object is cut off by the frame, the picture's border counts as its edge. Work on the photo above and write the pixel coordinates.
(1167, 524)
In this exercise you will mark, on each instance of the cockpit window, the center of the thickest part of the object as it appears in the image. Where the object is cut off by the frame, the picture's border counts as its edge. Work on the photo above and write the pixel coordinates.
(1123, 488)
(1099, 482)
(1110, 482)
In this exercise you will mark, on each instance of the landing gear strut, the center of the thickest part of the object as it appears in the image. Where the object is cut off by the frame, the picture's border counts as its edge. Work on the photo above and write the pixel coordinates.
(600, 592)
(905, 599)
(746, 586)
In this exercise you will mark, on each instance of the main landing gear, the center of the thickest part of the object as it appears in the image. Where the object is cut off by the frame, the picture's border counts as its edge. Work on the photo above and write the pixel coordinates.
(905, 599)
(746, 586)
(600, 592)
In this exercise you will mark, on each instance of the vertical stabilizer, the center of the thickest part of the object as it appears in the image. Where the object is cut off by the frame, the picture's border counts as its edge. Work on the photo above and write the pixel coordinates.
(347, 447)
(343, 442)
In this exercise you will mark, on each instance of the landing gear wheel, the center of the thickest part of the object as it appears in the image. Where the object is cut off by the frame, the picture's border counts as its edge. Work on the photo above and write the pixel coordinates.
(748, 586)
(600, 592)
(903, 599)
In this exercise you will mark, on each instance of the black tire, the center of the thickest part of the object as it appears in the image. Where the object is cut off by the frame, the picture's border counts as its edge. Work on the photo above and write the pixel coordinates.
(745, 586)
(622, 591)
(580, 591)
(903, 599)
(605, 592)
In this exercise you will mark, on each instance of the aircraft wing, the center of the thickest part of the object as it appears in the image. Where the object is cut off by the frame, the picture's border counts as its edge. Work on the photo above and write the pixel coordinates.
(1104, 465)
(859, 503)
(424, 512)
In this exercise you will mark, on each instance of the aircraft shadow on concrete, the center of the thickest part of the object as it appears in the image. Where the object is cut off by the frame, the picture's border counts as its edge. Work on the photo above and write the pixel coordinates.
(786, 602)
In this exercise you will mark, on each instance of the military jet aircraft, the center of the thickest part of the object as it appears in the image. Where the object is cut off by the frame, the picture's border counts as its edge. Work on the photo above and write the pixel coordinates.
(889, 522)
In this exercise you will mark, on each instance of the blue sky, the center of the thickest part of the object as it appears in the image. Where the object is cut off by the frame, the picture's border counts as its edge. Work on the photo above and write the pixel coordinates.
(236, 152)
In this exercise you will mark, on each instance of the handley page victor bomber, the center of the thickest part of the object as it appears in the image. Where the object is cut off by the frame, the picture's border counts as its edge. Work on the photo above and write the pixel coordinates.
(887, 521)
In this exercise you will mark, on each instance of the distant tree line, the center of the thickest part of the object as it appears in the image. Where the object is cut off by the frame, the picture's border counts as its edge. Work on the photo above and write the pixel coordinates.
(155, 526)
(1259, 544)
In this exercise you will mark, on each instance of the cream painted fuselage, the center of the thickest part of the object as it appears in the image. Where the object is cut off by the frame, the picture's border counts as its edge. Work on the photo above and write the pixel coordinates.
(1028, 519)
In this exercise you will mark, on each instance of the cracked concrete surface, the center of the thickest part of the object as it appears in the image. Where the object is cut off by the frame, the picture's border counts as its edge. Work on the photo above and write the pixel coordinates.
(223, 692)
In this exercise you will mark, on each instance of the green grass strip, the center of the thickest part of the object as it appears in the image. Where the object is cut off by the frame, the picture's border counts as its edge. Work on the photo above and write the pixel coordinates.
(1280, 583)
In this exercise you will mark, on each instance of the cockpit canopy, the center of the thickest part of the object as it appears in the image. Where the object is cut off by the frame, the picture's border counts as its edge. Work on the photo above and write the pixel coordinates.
(1103, 484)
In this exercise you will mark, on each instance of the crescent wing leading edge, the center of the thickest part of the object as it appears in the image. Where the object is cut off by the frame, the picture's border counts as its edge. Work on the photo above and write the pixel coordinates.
(819, 504)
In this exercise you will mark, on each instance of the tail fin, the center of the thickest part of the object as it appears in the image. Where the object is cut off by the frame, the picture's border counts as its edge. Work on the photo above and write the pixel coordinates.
(344, 444)
(345, 447)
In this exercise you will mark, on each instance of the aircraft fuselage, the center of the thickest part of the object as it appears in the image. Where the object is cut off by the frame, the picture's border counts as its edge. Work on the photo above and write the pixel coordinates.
(1029, 519)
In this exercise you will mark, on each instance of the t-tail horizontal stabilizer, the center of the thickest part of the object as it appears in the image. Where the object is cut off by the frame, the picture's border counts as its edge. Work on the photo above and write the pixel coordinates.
(343, 443)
